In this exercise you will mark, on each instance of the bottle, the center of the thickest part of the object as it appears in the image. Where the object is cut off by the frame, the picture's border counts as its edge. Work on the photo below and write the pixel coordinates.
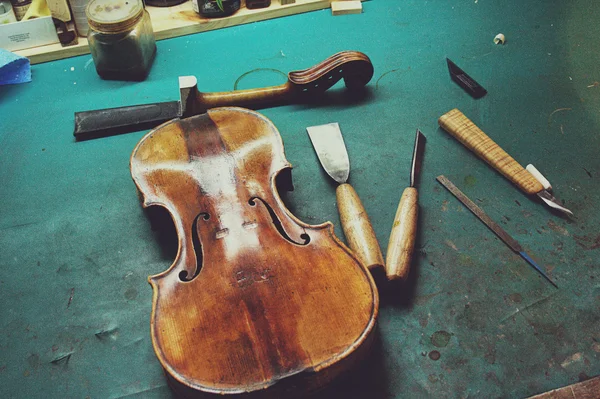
(216, 8)
(20, 7)
(121, 39)
(7, 15)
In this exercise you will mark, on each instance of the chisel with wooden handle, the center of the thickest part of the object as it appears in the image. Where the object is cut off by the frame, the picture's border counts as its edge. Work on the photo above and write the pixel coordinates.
(404, 229)
(329, 145)
(465, 131)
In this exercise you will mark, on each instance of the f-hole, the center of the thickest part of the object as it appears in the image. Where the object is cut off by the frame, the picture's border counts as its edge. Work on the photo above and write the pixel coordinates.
(277, 223)
(183, 275)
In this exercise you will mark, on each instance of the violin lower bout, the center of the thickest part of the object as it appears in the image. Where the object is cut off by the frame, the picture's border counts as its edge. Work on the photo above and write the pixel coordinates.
(284, 324)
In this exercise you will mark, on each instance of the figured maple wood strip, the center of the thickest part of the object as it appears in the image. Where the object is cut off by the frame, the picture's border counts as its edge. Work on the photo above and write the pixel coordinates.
(402, 238)
(357, 227)
(465, 131)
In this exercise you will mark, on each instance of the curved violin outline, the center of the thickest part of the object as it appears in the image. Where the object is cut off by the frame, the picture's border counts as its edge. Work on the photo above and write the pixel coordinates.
(357, 350)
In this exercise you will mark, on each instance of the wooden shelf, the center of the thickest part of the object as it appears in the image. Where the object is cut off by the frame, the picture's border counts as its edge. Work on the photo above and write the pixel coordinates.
(181, 20)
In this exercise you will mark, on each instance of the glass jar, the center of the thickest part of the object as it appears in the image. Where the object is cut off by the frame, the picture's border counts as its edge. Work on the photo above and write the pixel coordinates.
(216, 8)
(121, 39)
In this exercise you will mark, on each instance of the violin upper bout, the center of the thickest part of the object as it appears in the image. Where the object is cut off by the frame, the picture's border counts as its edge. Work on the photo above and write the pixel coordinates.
(354, 67)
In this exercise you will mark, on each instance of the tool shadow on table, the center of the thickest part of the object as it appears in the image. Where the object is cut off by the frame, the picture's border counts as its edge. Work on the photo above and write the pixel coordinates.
(401, 293)
(338, 98)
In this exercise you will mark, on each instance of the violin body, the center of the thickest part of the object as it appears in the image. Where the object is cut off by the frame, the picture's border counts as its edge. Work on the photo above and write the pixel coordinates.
(256, 303)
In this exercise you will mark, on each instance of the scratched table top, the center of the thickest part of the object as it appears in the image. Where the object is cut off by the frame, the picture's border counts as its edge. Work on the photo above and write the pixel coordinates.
(474, 320)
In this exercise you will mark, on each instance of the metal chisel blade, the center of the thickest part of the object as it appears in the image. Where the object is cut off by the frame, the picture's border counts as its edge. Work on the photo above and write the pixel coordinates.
(331, 150)
(415, 169)
(553, 202)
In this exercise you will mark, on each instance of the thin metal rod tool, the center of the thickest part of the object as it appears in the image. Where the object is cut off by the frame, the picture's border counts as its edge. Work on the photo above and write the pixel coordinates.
(499, 231)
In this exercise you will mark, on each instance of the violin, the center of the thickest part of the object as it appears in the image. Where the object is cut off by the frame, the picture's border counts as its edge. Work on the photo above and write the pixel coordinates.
(257, 303)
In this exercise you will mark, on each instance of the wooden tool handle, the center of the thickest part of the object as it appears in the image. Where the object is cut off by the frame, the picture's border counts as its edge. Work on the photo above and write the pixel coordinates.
(403, 236)
(357, 228)
(465, 131)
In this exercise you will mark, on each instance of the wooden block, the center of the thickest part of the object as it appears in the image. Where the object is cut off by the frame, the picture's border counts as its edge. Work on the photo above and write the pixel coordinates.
(346, 7)
(589, 389)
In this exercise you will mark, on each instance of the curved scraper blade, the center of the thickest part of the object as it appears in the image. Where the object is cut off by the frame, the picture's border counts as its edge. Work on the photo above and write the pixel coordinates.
(331, 150)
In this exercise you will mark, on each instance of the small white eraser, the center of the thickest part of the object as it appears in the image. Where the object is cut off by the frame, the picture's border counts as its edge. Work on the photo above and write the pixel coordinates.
(539, 177)
(342, 7)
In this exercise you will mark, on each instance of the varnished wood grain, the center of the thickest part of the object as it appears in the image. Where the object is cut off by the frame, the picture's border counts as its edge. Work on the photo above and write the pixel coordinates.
(589, 389)
(465, 131)
(353, 67)
(256, 303)
(402, 238)
(357, 227)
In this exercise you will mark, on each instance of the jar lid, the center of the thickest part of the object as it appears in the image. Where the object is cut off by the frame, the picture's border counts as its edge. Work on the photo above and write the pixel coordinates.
(113, 15)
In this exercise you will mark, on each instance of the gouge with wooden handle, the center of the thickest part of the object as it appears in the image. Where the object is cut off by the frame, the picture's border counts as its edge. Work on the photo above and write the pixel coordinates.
(404, 229)
(331, 150)
(465, 131)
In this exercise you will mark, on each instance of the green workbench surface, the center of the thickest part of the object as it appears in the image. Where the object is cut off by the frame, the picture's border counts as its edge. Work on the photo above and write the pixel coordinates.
(76, 247)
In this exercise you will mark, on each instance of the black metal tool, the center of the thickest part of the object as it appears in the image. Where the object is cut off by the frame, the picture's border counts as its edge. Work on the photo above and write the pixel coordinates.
(111, 121)
(467, 83)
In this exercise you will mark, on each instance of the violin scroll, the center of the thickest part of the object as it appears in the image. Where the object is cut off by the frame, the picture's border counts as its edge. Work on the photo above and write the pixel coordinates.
(354, 67)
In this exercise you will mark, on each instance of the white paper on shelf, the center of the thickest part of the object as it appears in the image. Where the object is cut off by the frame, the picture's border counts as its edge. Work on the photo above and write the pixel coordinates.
(26, 34)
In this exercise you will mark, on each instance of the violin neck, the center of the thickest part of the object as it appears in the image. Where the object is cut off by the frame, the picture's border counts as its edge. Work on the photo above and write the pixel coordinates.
(251, 98)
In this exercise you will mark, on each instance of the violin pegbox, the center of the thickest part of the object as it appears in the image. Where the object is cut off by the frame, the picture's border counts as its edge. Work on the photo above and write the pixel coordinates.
(354, 67)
